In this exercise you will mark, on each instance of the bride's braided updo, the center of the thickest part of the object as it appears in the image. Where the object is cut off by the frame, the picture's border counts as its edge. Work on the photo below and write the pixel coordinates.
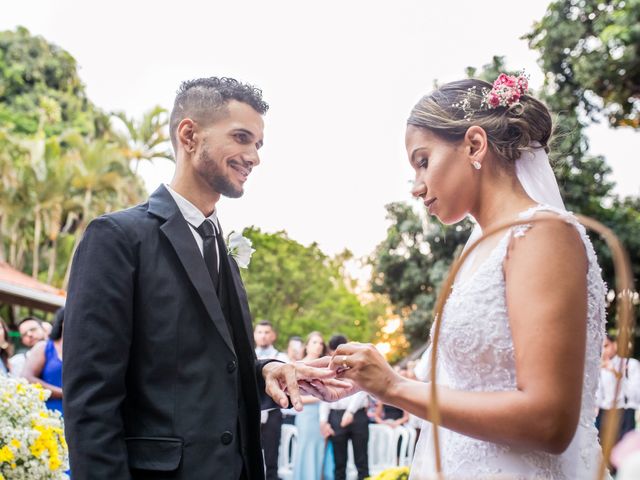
(454, 107)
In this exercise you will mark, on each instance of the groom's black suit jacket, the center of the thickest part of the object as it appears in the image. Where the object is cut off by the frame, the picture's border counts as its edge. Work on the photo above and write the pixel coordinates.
(156, 383)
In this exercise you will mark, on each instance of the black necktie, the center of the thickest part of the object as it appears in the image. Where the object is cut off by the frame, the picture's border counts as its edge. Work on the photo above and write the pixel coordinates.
(208, 233)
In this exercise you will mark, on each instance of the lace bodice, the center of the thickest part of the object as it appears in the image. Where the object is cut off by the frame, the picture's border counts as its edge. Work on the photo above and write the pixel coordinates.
(476, 353)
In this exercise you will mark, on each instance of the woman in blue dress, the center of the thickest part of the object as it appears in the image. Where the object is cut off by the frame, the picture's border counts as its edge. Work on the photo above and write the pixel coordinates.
(44, 364)
(311, 456)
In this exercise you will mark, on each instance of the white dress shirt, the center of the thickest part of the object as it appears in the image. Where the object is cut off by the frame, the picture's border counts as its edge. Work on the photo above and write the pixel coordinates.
(194, 218)
(351, 404)
(271, 352)
(629, 395)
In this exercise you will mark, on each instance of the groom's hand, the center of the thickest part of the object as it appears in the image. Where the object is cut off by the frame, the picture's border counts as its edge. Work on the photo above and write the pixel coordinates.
(282, 379)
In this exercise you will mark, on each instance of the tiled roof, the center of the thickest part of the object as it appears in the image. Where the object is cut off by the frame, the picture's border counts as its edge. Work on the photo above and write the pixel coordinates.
(19, 288)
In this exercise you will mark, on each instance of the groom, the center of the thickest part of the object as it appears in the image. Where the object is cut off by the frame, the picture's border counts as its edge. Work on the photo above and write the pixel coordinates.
(160, 375)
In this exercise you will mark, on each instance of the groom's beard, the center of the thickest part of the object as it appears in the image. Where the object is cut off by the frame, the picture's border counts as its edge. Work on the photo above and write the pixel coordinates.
(216, 178)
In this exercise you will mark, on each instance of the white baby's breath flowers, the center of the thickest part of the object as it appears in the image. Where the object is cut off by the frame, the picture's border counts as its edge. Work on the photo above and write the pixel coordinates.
(32, 444)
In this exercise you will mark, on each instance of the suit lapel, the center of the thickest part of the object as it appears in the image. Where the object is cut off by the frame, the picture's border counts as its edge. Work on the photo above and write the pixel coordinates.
(177, 231)
(236, 288)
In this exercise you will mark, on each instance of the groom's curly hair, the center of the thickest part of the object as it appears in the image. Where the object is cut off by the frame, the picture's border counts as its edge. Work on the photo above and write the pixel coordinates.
(201, 98)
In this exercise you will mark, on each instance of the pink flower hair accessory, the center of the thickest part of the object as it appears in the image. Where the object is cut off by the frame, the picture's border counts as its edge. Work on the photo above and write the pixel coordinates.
(505, 92)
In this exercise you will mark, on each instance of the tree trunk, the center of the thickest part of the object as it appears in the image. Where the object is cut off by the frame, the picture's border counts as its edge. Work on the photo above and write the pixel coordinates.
(88, 197)
(13, 245)
(53, 256)
(22, 248)
(67, 273)
(37, 232)
(3, 229)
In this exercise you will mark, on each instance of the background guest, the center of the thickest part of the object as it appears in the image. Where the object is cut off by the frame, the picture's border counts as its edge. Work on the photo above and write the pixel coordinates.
(346, 420)
(264, 336)
(31, 332)
(295, 352)
(628, 398)
(6, 349)
(295, 349)
(390, 415)
(44, 364)
(310, 449)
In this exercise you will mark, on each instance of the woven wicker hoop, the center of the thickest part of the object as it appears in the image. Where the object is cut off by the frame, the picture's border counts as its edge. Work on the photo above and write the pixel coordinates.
(624, 319)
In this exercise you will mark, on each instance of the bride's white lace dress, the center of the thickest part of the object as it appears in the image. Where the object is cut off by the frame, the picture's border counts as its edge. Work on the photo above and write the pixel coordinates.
(476, 354)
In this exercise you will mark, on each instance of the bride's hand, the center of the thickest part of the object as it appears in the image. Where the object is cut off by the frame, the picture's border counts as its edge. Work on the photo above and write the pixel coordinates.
(365, 365)
(326, 389)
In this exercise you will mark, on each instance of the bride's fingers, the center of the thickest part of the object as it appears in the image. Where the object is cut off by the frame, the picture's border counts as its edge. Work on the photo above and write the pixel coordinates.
(307, 372)
(334, 382)
(322, 362)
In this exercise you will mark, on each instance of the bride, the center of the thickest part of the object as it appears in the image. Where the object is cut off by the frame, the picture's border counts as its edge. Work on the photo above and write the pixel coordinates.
(523, 327)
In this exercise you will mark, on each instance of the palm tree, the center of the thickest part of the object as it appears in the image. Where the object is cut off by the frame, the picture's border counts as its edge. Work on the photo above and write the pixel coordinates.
(15, 211)
(101, 180)
(146, 138)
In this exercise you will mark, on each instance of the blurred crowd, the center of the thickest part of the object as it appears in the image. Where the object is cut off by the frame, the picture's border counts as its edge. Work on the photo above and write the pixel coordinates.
(39, 355)
(324, 430)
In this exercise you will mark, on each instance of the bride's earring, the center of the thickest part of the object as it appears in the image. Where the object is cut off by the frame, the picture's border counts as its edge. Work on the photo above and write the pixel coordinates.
(477, 165)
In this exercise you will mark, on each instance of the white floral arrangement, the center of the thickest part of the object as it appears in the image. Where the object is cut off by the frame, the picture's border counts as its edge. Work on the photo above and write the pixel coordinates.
(240, 248)
(32, 444)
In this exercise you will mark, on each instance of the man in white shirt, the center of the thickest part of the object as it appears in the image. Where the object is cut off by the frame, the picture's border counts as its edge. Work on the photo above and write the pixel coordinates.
(343, 420)
(32, 330)
(612, 368)
(264, 336)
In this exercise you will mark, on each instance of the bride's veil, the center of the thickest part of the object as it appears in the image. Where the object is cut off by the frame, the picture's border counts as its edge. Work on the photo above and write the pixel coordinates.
(536, 176)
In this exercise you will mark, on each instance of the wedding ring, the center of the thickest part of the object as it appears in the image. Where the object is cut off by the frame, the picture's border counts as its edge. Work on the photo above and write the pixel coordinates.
(344, 362)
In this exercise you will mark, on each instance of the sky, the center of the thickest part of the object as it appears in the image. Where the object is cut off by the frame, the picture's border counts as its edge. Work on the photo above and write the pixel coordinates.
(340, 78)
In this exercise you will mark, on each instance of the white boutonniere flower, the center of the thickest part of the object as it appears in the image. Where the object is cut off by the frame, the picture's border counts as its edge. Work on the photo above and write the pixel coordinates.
(239, 247)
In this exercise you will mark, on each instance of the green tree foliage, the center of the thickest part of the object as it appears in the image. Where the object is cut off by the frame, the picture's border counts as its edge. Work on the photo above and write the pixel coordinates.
(590, 51)
(40, 87)
(300, 289)
(61, 163)
(584, 179)
(147, 138)
(410, 264)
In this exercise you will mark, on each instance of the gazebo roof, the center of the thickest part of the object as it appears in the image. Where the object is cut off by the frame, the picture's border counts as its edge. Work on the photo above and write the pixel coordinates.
(20, 289)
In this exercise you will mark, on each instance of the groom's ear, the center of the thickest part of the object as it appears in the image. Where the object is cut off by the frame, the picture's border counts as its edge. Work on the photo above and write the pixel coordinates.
(186, 135)
(476, 144)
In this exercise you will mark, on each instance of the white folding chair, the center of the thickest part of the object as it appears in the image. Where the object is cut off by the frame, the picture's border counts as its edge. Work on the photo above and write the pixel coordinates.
(403, 437)
(287, 451)
(408, 458)
(383, 446)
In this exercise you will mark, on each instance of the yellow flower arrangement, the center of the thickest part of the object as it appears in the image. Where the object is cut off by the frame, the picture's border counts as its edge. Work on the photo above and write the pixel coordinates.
(395, 473)
(32, 444)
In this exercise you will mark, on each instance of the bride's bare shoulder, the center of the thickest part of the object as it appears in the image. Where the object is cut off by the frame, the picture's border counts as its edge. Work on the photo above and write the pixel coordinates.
(552, 244)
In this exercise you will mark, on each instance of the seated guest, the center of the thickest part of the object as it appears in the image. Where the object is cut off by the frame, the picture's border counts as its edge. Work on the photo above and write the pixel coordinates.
(31, 331)
(390, 415)
(44, 364)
